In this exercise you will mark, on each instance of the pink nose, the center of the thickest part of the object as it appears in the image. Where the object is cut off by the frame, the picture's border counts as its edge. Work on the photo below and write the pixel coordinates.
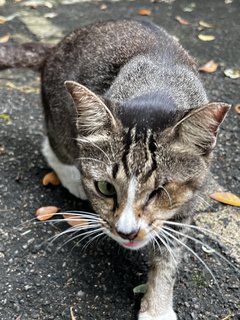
(129, 236)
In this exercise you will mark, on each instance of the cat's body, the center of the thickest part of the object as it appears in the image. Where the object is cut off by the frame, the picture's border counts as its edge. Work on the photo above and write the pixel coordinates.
(134, 138)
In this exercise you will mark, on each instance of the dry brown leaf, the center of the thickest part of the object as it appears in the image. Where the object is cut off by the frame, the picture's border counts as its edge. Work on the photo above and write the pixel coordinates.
(74, 220)
(237, 108)
(205, 24)
(144, 12)
(45, 213)
(206, 37)
(51, 178)
(209, 67)
(2, 20)
(226, 197)
(5, 38)
(182, 20)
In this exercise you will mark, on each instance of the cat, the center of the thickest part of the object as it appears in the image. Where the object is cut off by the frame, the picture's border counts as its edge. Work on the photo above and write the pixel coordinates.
(132, 133)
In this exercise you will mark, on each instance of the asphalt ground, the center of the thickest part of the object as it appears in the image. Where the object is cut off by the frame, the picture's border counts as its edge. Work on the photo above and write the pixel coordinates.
(40, 279)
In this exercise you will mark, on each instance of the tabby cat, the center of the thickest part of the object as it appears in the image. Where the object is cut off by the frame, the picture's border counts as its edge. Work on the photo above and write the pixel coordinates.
(133, 134)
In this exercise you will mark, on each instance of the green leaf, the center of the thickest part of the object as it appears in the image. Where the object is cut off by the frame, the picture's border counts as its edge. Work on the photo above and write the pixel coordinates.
(142, 288)
(5, 117)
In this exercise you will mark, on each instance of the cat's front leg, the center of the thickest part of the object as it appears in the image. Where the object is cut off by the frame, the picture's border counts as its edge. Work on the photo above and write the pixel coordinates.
(157, 303)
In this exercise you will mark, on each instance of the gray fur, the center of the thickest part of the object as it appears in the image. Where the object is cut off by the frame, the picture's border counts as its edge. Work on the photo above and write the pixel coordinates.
(136, 116)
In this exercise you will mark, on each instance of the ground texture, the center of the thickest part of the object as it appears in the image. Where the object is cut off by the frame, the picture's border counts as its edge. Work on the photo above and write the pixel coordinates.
(44, 280)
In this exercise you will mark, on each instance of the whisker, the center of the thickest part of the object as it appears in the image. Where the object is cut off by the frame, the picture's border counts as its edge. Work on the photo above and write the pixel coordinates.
(197, 228)
(152, 240)
(72, 229)
(88, 158)
(85, 234)
(204, 244)
(169, 249)
(195, 254)
(169, 198)
(96, 146)
(77, 213)
(91, 240)
(158, 245)
(203, 200)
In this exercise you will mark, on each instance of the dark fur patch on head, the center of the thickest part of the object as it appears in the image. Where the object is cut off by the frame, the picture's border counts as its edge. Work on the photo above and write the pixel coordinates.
(155, 110)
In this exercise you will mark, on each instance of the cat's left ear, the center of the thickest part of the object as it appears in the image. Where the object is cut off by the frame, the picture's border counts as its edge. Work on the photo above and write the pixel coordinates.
(94, 119)
(199, 126)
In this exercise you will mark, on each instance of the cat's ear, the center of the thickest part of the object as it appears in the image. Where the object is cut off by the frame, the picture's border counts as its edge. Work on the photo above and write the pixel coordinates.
(93, 116)
(199, 126)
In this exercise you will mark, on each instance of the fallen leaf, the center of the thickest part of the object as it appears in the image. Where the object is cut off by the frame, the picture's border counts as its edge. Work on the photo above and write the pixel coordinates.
(208, 250)
(182, 20)
(206, 37)
(8, 18)
(237, 108)
(25, 89)
(72, 314)
(6, 117)
(69, 1)
(232, 73)
(142, 288)
(144, 12)
(2, 151)
(226, 197)
(2, 20)
(205, 24)
(189, 7)
(209, 67)
(5, 38)
(74, 220)
(103, 7)
(227, 317)
(50, 15)
(51, 178)
(45, 213)
(36, 3)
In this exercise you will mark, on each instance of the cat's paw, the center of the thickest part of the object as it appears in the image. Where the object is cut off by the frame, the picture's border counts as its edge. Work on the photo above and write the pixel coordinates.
(169, 315)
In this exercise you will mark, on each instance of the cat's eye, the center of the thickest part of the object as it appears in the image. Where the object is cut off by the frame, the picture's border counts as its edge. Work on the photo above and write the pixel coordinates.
(152, 195)
(105, 188)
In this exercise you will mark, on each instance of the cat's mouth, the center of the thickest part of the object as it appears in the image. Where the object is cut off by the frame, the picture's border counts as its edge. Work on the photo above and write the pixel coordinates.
(131, 244)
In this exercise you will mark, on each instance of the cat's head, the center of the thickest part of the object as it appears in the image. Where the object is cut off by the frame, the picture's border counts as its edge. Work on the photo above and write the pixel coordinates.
(137, 177)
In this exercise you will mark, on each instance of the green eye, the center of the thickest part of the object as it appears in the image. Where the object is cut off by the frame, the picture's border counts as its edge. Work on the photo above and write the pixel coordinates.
(105, 188)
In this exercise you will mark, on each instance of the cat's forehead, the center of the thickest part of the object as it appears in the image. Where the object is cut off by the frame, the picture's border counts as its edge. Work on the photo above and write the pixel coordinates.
(147, 156)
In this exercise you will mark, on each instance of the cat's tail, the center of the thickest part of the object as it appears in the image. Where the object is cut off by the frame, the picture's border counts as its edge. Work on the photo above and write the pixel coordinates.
(25, 55)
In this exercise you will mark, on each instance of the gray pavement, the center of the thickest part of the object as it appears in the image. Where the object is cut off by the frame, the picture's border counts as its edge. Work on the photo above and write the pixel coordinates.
(44, 280)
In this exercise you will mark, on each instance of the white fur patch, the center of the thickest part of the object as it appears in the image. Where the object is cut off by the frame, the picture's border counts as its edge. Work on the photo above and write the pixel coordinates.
(169, 315)
(69, 175)
(127, 222)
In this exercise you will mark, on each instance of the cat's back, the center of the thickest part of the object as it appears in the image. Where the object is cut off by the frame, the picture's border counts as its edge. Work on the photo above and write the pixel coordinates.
(94, 54)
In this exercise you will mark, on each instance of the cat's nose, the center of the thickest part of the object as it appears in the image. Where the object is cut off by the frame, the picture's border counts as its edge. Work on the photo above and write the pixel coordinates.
(129, 236)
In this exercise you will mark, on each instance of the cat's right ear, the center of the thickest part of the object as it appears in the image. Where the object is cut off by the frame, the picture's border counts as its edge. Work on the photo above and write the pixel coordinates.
(94, 119)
